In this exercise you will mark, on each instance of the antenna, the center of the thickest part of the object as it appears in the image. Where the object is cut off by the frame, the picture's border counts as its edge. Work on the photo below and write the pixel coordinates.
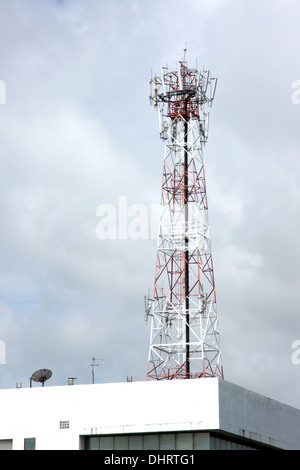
(41, 376)
(184, 338)
(184, 52)
(93, 365)
(148, 306)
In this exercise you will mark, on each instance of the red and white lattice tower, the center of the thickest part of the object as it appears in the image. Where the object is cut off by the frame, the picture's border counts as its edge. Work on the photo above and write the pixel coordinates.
(184, 340)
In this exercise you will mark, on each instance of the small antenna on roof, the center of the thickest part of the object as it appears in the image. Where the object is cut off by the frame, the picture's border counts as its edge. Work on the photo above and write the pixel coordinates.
(93, 365)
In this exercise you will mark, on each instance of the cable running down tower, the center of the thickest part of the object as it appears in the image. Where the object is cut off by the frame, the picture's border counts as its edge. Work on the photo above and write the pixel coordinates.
(184, 341)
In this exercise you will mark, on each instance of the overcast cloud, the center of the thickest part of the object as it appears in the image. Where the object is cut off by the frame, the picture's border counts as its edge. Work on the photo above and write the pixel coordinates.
(77, 132)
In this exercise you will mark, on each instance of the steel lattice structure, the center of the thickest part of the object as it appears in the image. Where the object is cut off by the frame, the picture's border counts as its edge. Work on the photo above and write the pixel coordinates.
(184, 340)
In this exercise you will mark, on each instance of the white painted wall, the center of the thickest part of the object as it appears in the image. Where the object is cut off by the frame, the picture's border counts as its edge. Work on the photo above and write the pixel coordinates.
(105, 408)
(178, 405)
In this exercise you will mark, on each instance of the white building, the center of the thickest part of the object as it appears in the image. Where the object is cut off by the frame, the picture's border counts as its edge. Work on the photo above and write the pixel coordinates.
(173, 415)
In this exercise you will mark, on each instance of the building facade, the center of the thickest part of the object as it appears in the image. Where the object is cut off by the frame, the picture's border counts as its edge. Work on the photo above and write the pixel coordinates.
(199, 414)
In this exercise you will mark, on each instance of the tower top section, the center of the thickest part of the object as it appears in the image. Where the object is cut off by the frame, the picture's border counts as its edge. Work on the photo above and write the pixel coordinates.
(182, 93)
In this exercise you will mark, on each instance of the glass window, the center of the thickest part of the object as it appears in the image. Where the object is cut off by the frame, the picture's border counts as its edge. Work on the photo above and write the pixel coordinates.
(184, 441)
(93, 443)
(167, 441)
(136, 442)
(106, 443)
(201, 440)
(6, 444)
(121, 443)
(151, 441)
(29, 443)
(157, 441)
(222, 444)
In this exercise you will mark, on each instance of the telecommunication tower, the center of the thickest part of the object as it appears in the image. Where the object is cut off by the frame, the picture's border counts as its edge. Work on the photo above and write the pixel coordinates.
(184, 341)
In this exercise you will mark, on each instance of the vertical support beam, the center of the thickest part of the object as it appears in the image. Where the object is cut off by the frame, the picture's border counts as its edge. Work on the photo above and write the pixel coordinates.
(186, 242)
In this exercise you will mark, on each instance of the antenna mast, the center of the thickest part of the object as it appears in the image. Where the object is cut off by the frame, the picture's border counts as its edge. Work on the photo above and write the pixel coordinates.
(184, 340)
(93, 365)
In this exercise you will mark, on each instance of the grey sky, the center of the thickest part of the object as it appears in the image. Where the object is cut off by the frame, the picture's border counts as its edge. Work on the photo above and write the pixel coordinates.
(77, 131)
